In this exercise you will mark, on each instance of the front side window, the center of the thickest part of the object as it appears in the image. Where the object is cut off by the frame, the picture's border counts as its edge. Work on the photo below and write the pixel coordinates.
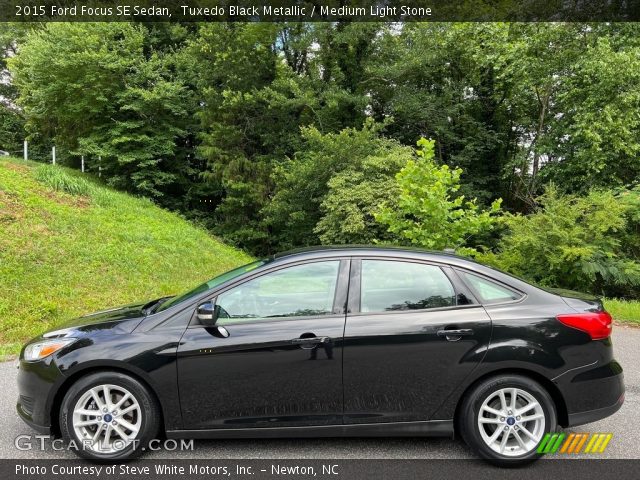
(214, 282)
(298, 291)
(392, 285)
(488, 291)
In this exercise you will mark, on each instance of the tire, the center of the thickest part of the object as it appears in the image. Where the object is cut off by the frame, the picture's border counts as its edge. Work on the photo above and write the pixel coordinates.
(134, 424)
(485, 419)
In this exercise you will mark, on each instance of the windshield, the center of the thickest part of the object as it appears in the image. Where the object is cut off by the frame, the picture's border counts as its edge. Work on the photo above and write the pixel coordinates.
(214, 282)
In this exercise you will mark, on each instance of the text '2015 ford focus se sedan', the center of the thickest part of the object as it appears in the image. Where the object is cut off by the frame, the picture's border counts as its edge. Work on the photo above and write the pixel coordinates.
(330, 342)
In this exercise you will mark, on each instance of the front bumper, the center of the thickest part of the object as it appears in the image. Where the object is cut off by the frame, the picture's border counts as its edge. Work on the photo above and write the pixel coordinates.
(37, 384)
(44, 430)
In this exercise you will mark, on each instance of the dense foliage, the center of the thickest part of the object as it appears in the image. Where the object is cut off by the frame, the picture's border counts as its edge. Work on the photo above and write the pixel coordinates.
(330, 190)
(428, 211)
(586, 243)
(279, 135)
(103, 96)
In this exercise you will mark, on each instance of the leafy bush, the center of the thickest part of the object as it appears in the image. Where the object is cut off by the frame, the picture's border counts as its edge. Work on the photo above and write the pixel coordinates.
(327, 193)
(429, 212)
(356, 194)
(581, 243)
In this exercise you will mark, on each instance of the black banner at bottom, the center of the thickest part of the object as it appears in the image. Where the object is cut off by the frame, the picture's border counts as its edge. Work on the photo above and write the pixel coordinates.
(212, 469)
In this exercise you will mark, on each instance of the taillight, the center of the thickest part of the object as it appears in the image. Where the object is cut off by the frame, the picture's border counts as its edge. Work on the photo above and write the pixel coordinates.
(596, 324)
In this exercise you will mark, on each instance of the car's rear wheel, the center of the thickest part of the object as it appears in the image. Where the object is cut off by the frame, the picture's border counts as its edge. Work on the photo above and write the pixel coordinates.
(505, 418)
(108, 416)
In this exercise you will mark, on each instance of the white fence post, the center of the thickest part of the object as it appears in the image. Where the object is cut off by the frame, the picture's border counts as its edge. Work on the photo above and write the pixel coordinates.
(26, 151)
(82, 163)
(53, 154)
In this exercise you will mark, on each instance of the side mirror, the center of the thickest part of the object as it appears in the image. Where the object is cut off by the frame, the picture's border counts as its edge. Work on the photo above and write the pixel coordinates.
(208, 313)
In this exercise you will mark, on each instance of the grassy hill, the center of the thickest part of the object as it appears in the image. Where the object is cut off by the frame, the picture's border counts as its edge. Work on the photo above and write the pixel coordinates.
(69, 246)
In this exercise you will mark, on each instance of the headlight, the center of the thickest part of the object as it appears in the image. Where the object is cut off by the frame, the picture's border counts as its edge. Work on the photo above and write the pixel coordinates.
(39, 350)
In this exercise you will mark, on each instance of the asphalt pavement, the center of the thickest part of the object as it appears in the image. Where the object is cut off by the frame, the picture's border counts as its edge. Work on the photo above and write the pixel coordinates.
(623, 425)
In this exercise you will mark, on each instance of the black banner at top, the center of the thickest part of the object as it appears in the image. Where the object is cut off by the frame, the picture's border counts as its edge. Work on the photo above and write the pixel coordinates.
(320, 11)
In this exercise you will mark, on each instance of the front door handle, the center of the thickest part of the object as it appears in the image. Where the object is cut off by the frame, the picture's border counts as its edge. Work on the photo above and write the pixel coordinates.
(310, 340)
(453, 335)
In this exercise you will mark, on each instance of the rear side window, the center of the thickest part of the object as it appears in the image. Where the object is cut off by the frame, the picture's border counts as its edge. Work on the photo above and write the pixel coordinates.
(392, 285)
(489, 291)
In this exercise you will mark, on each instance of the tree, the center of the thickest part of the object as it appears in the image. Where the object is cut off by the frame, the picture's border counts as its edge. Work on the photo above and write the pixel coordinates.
(439, 81)
(240, 134)
(355, 195)
(328, 191)
(596, 140)
(514, 105)
(279, 135)
(11, 118)
(428, 211)
(99, 90)
(11, 130)
(11, 35)
(262, 84)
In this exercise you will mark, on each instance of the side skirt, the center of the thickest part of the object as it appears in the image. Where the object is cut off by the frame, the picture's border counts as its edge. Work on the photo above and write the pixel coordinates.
(431, 428)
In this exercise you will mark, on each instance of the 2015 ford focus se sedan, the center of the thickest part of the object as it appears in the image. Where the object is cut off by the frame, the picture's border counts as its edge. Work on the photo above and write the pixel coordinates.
(330, 342)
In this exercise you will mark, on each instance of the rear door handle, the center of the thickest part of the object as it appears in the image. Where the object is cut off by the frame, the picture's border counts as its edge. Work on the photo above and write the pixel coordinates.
(455, 334)
(310, 340)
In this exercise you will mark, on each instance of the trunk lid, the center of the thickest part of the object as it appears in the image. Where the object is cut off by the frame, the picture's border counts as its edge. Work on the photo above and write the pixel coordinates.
(578, 300)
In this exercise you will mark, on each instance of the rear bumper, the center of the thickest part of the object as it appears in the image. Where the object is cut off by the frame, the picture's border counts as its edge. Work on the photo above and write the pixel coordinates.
(593, 394)
(589, 416)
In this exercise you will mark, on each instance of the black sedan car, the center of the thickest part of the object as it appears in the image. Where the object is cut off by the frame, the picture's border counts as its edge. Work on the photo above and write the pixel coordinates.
(330, 342)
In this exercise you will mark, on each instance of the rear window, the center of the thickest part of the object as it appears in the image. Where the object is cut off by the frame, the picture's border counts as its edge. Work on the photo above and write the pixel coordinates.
(394, 285)
(489, 291)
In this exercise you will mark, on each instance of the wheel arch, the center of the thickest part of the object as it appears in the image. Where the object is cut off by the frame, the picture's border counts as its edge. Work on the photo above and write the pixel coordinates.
(56, 404)
(548, 385)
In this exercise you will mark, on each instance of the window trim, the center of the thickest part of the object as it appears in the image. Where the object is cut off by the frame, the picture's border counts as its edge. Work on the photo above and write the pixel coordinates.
(339, 294)
(459, 286)
(460, 273)
(421, 311)
(355, 287)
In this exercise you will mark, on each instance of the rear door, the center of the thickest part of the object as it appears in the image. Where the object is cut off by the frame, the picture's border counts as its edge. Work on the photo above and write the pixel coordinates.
(413, 333)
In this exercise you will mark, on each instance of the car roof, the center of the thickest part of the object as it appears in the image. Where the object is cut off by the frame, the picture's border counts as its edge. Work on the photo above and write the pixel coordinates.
(408, 253)
(370, 250)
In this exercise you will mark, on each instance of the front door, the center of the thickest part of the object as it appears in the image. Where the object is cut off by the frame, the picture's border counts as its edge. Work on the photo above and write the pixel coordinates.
(400, 364)
(281, 363)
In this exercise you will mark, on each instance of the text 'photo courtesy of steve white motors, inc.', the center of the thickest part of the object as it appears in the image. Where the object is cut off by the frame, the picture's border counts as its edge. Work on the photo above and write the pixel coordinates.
(193, 470)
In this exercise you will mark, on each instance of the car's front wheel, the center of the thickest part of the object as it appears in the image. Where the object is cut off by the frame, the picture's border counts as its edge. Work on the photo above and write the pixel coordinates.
(505, 418)
(108, 416)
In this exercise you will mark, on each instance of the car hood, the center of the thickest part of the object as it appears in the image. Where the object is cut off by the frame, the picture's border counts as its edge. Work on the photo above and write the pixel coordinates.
(121, 319)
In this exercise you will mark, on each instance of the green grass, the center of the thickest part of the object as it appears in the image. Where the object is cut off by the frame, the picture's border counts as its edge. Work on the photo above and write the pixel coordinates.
(69, 246)
(625, 311)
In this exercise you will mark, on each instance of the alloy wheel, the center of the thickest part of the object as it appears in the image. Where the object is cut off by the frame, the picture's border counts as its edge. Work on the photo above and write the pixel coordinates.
(511, 422)
(107, 418)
